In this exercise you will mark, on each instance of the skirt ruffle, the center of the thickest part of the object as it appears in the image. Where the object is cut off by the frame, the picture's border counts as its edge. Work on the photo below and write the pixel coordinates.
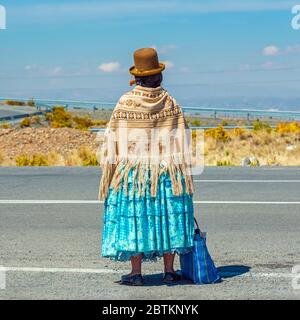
(151, 226)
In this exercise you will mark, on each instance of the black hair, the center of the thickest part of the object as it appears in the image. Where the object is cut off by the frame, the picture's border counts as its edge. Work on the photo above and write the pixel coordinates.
(153, 81)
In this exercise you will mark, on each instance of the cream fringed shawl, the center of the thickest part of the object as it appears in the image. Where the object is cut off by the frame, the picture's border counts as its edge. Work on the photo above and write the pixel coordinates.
(147, 134)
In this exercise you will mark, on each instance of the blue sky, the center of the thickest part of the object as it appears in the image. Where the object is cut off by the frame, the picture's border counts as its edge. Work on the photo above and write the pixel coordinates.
(215, 50)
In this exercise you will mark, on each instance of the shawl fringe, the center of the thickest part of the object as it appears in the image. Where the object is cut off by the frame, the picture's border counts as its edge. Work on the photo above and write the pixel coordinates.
(115, 176)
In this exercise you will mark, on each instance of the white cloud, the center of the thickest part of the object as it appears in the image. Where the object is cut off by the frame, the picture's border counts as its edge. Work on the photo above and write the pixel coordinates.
(56, 70)
(31, 67)
(271, 51)
(169, 64)
(275, 51)
(109, 67)
(164, 49)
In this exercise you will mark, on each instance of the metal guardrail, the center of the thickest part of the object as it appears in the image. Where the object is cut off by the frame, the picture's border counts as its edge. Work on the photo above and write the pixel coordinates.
(249, 114)
(21, 116)
(96, 130)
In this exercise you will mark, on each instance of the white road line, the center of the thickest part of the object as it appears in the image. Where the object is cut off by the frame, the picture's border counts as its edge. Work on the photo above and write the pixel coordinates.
(111, 271)
(250, 202)
(101, 202)
(247, 181)
(50, 202)
(59, 270)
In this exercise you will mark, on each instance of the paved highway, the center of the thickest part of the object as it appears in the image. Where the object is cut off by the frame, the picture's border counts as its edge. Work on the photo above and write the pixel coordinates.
(50, 247)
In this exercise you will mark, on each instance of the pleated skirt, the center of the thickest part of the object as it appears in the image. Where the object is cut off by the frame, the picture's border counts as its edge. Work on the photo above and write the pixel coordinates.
(142, 224)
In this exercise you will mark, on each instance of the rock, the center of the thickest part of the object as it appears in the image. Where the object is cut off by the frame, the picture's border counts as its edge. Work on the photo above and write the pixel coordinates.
(250, 161)
(245, 162)
(16, 142)
(291, 147)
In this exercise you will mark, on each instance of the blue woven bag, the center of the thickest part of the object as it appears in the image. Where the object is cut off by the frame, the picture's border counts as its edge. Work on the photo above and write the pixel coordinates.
(198, 265)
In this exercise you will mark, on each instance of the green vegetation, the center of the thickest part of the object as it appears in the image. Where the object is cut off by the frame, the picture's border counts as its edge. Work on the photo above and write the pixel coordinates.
(195, 123)
(224, 123)
(260, 125)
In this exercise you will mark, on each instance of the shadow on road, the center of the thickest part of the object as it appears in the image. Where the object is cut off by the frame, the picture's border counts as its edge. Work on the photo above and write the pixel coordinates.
(233, 271)
(152, 280)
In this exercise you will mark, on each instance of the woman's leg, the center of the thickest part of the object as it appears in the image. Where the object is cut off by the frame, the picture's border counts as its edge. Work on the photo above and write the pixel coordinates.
(136, 264)
(169, 262)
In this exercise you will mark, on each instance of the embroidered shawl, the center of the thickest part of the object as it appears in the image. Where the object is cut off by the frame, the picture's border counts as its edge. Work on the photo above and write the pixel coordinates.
(147, 134)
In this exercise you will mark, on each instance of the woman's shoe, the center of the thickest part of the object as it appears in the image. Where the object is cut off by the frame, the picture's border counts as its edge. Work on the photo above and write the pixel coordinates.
(132, 280)
(171, 277)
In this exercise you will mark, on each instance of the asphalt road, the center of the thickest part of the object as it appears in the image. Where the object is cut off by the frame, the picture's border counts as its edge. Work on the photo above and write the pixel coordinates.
(51, 249)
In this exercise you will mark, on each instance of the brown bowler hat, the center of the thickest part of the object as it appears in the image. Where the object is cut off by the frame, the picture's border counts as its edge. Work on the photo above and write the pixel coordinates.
(146, 63)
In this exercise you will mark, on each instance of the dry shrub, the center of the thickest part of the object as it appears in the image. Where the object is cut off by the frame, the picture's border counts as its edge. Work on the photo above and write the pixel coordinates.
(55, 159)
(260, 125)
(15, 103)
(222, 163)
(88, 157)
(5, 125)
(238, 132)
(218, 134)
(100, 122)
(195, 123)
(292, 127)
(36, 160)
(59, 118)
(82, 123)
(25, 123)
(224, 123)
(36, 120)
(31, 103)
(72, 159)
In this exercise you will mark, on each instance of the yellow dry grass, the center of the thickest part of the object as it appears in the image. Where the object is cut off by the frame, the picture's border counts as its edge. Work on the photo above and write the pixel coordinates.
(271, 147)
(82, 157)
(276, 147)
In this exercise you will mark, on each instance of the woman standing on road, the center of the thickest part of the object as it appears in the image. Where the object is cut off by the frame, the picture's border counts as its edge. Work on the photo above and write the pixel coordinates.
(146, 181)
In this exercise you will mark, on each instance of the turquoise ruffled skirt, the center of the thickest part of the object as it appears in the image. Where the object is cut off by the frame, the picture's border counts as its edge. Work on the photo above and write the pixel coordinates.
(151, 226)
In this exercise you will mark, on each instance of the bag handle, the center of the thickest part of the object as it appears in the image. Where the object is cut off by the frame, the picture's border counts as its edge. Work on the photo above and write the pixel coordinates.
(197, 225)
(197, 230)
